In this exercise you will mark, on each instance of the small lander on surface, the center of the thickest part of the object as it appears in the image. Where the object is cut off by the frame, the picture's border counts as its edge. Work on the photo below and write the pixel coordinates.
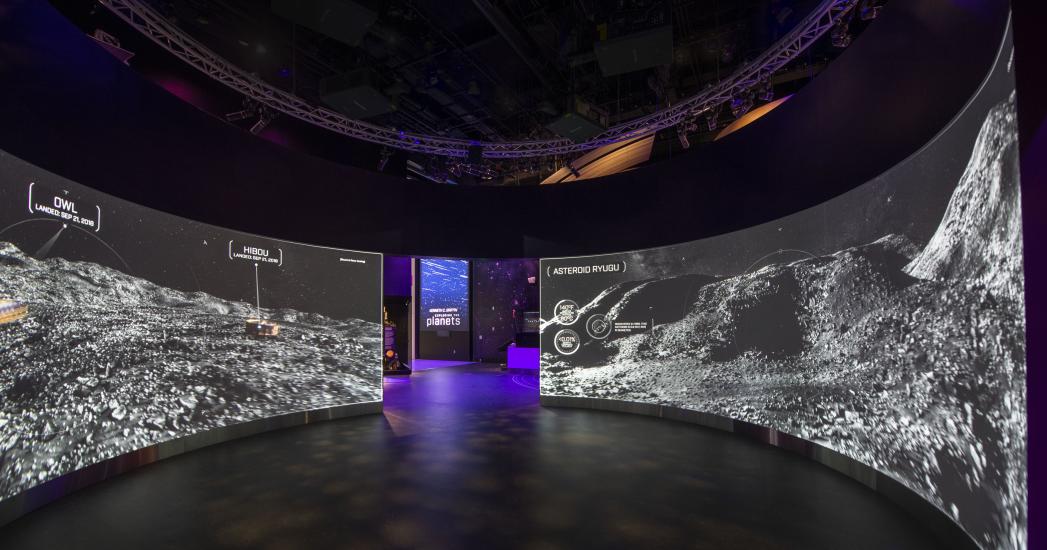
(11, 311)
(262, 328)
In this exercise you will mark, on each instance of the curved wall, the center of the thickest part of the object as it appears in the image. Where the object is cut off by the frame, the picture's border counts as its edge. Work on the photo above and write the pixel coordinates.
(71, 108)
(136, 341)
(886, 325)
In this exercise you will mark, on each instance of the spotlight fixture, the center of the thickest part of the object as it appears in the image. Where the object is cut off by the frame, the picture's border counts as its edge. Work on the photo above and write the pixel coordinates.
(868, 10)
(242, 114)
(681, 134)
(111, 44)
(259, 126)
(741, 105)
(683, 129)
(264, 118)
(712, 120)
(249, 108)
(384, 155)
(766, 93)
(840, 35)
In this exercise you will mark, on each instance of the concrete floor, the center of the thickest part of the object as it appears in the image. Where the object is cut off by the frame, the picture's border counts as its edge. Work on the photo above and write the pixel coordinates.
(465, 458)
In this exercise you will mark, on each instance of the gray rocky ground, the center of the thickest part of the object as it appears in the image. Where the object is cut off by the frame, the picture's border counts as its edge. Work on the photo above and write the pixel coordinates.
(910, 360)
(107, 363)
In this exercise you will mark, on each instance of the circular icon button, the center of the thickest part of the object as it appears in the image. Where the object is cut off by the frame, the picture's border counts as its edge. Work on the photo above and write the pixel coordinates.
(567, 341)
(598, 326)
(566, 312)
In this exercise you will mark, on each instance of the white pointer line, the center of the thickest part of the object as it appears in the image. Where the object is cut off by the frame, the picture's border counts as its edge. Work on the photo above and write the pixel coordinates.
(257, 293)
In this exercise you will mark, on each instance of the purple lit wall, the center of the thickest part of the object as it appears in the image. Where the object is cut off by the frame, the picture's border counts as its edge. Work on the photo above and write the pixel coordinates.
(396, 285)
(397, 275)
(501, 293)
(183, 89)
(527, 359)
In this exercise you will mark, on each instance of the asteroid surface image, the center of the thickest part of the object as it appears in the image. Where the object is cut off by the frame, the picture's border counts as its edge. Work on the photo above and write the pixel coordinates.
(106, 363)
(907, 356)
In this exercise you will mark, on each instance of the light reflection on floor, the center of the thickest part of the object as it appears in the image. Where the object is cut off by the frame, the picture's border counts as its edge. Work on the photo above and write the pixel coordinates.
(464, 457)
(427, 364)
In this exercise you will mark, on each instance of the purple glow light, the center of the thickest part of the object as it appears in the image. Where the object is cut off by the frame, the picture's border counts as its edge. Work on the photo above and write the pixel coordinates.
(397, 273)
(182, 90)
(523, 358)
(273, 135)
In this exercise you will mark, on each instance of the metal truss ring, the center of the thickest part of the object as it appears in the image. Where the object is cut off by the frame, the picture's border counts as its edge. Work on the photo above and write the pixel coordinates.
(154, 26)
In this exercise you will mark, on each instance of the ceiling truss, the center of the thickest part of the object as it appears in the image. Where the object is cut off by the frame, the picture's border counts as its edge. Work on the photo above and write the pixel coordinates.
(751, 75)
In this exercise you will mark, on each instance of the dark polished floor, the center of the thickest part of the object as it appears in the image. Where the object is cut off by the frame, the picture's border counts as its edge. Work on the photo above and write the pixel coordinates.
(465, 458)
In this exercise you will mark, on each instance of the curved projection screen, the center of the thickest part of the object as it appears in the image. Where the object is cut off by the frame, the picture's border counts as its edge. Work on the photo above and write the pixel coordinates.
(887, 324)
(122, 327)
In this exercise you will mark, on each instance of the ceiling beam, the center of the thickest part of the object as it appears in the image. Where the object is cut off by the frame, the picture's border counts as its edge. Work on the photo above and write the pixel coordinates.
(548, 75)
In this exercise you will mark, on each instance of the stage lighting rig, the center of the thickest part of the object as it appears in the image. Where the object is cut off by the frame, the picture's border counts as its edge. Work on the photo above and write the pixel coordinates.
(154, 25)
(766, 92)
(683, 129)
(112, 45)
(741, 105)
(840, 35)
(712, 120)
(681, 134)
(236, 116)
(868, 10)
(384, 155)
(265, 116)
(248, 109)
(482, 171)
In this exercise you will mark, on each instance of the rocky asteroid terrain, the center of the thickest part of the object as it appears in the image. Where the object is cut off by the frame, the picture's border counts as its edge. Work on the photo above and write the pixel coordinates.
(106, 363)
(909, 359)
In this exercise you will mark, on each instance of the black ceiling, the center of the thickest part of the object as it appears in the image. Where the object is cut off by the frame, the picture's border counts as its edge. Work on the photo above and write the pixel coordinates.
(72, 109)
(494, 70)
(490, 70)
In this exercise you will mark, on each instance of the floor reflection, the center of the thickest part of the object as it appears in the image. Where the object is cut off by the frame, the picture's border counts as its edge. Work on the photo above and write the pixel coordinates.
(464, 457)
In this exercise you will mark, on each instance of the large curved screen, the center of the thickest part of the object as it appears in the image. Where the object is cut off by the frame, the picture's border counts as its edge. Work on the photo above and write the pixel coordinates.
(886, 324)
(122, 327)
